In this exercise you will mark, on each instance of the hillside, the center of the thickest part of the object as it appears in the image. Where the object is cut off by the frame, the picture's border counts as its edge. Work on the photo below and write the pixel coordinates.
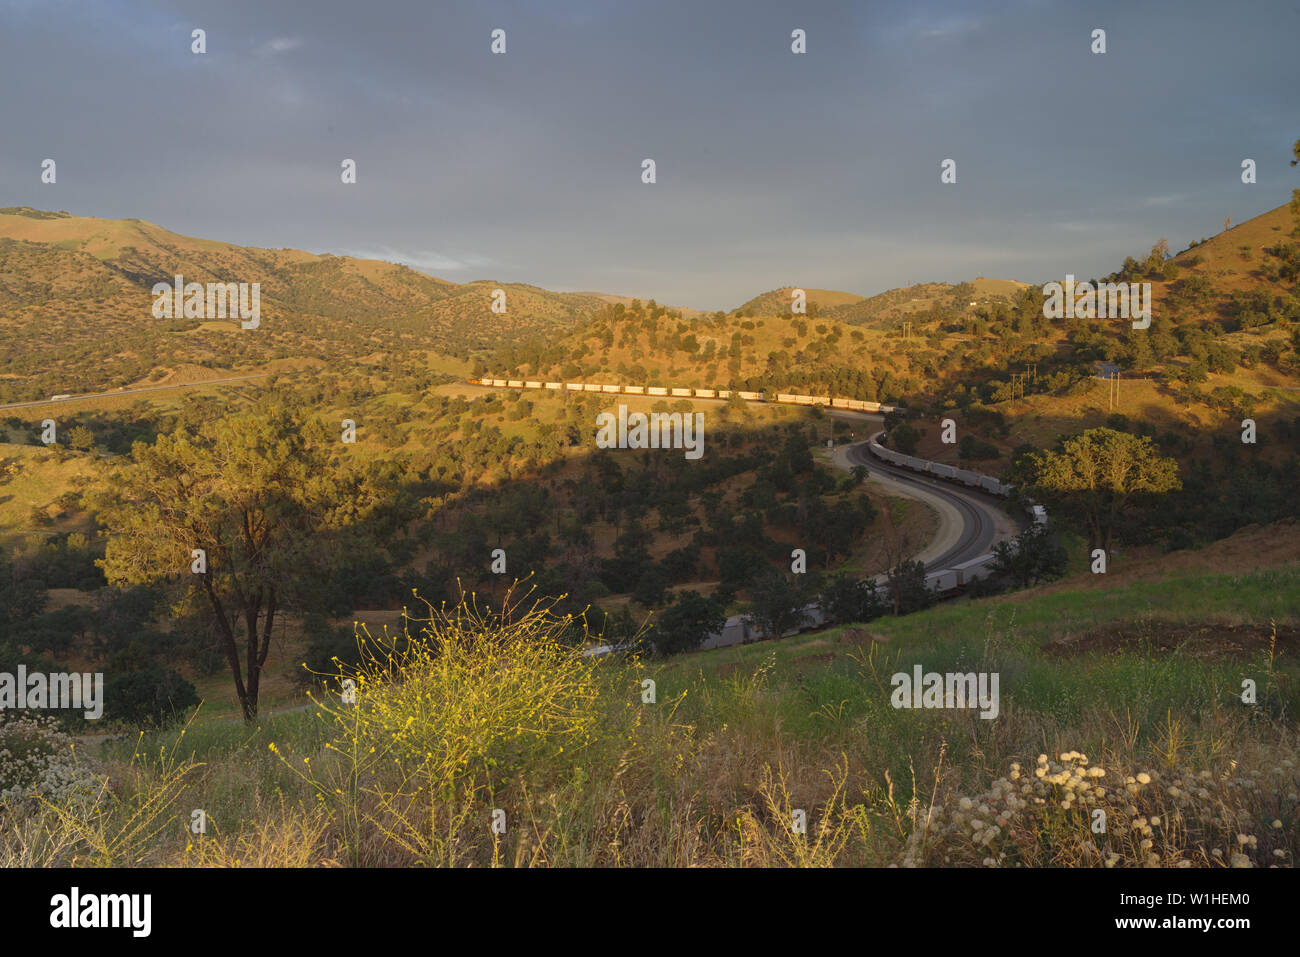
(75, 292)
(756, 731)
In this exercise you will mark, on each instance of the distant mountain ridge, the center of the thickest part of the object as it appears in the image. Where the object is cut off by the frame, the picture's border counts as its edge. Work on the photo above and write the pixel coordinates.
(889, 305)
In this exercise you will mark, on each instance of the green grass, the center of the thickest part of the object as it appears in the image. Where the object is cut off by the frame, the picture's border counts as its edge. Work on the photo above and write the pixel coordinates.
(736, 737)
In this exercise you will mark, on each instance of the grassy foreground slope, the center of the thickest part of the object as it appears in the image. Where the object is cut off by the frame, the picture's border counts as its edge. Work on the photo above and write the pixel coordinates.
(589, 772)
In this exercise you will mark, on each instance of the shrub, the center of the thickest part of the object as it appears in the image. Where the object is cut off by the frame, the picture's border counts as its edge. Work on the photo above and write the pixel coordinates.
(147, 698)
(476, 696)
(1175, 818)
(38, 760)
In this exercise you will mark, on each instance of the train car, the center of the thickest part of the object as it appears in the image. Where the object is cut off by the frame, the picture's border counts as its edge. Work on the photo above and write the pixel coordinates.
(1040, 515)
(785, 397)
(705, 393)
(945, 580)
(974, 569)
(989, 484)
(532, 385)
(735, 631)
(515, 383)
(814, 617)
(591, 387)
(841, 403)
(634, 389)
(750, 396)
(573, 386)
(820, 399)
(499, 383)
(681, 393)
(724, 393)
(943, 471)
(655, 390)
(555, 385)
(609, 388)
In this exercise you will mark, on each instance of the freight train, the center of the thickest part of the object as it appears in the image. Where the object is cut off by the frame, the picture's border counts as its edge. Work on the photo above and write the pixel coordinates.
(740, 629)
(781, 398)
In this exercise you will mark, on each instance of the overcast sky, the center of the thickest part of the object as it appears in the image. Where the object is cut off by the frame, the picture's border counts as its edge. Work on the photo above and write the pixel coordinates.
(774, 169)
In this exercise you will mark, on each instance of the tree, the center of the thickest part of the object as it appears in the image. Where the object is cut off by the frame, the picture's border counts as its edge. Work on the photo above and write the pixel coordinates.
(686, 623)
(904, 439)
(1030, 558)
(81, 438)
(906, 588)
(778, 602)
(847, 599)
(1099, 474)
(257, 493)
(1295, 193)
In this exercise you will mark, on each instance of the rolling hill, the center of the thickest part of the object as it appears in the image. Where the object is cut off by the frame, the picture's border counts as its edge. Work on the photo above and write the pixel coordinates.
(76, 307)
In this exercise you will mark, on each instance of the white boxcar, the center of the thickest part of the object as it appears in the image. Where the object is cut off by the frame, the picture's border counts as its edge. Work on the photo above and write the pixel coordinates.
(532, 385)
(685, 393)
(591, 387)
(656, 390)
(609, 388)
(989, 484)
(968, 572)
(516, 383)
(734, 632)
(705, 393)
(724, 393)
(750, 396)
(943, 471)
(555, 385)
(945, 580)
(634, 389)
(573, 386)
(499, 382)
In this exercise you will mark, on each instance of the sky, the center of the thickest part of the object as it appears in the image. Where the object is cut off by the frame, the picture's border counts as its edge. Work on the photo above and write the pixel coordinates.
(773, 169)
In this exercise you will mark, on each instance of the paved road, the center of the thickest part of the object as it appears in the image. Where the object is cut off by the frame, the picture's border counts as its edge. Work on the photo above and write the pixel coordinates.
(120, 392)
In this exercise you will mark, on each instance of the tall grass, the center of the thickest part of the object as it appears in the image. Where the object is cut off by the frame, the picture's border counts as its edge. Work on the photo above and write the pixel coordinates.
(780, 754)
